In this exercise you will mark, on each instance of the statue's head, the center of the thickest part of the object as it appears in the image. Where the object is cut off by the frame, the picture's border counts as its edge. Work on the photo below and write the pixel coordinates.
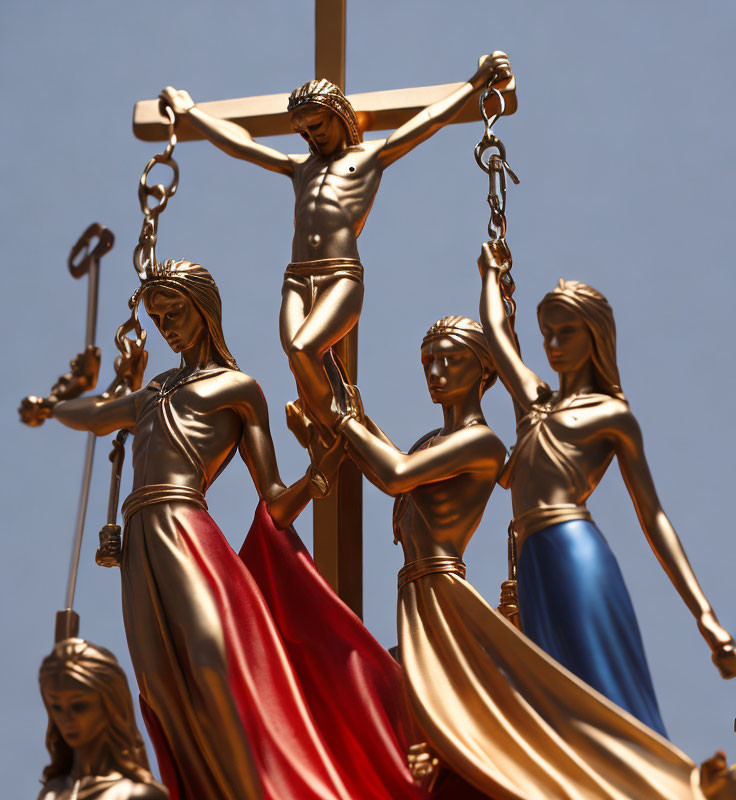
(184, 303)
(456, 359)
(88, 701)
(321, 113)
(578, 327)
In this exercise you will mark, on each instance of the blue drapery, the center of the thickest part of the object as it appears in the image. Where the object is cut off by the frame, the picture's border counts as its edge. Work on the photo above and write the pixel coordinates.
(574, 604)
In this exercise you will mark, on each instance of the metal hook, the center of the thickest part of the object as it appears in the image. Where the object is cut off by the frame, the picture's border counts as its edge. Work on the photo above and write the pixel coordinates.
(167, 110)
(487, 143)
(487, 92)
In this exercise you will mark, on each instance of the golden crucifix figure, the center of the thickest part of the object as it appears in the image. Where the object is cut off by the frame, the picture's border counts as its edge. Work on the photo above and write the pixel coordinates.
(334, 186)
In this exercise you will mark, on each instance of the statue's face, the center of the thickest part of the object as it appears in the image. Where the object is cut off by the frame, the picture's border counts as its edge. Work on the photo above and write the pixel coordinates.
(322, 127)
(450, 369)
(76, 710)
(567, 340)
(176, 317)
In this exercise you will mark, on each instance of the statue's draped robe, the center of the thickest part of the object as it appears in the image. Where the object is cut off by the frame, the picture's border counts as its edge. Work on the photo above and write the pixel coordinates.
(508, 718)
(273, 694)
(573, 600)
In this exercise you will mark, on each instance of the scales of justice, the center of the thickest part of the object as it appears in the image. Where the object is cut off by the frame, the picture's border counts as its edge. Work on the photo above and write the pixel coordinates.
(256, 676)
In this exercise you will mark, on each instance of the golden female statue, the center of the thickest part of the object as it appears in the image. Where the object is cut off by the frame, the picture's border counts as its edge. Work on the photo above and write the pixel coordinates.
(334, 186)
(493, 706)
(96, 750)
(572, 597)
(232, 706)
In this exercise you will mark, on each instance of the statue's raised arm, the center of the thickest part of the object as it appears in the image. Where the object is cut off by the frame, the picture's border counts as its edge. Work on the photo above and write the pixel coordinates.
(467, 670)
(566, 441)
(491, 70)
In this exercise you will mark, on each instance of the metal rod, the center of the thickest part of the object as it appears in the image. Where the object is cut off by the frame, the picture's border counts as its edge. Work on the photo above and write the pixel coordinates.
(92, 300)
(89, 456)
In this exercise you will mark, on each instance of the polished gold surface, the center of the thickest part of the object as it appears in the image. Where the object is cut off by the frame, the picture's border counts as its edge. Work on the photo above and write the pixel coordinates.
(338, 517)
(512, 722)
(717, 778)
(96, 750)
(187, 424)
(334, 188)
(567, 439)
(540, 517)
(67, 625)
(424, 765)
(109, 551)
(219, 408)
(84, 260)
(445, 483)
(490, 704)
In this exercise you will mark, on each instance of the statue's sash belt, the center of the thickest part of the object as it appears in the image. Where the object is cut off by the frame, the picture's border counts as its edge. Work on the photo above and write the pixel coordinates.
(161, 493)
(425, 566)
(537, 519)
(344, 267)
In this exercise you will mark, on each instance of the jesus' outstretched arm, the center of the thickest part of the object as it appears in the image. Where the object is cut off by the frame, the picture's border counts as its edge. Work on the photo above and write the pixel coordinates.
(232, 139)
(427, 122)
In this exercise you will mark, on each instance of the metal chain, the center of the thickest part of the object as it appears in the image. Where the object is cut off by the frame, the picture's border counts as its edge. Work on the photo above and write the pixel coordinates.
(144, 256)
(497, 168)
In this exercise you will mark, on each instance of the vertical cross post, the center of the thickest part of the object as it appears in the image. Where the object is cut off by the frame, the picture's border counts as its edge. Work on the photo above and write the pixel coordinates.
(338, 519)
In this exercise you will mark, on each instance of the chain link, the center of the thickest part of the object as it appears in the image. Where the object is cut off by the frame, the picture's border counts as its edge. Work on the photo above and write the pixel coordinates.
(497, 168)
(496, 165)
(144, 256)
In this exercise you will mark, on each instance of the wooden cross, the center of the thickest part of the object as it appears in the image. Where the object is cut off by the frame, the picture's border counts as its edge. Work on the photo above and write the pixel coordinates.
(338, 519)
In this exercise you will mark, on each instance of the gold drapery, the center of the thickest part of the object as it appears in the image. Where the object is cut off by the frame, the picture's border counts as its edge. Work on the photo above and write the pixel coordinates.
(513, 722)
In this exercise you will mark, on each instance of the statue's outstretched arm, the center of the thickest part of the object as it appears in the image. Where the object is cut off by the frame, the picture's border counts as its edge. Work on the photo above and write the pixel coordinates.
(662, 536)
(428, 121)
(475, 449)
(525, 386)
(101, 415)
(111, 411)
(229, 137)
(285, 503)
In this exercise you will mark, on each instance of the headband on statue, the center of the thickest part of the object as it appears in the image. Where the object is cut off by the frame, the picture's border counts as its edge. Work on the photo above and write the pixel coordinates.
(196, 283)
(469, 333)
(82, 661)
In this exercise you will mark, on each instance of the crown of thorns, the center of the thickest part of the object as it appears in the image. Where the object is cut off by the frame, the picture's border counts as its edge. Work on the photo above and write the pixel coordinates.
(322, 92)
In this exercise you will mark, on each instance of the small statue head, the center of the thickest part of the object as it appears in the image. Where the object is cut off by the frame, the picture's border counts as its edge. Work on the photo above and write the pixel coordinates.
(88, 701)
(456, 357)
(183, 301)
(578, 326)
(321, 113)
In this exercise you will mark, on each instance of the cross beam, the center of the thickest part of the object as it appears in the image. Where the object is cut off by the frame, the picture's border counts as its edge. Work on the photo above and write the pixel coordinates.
(266, 114)
(338, 519)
